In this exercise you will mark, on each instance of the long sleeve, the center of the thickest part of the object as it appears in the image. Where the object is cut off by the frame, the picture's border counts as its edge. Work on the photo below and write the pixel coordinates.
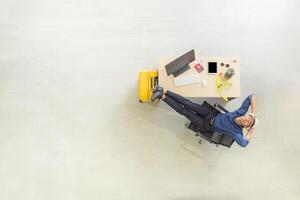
(245, 106)
(238, 138)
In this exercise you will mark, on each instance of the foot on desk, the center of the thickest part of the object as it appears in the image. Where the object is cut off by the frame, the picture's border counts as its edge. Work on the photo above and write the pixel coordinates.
(157, 88)
(157, 93)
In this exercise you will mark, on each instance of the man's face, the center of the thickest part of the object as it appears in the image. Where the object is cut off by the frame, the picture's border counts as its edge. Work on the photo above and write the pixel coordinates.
(247, 120)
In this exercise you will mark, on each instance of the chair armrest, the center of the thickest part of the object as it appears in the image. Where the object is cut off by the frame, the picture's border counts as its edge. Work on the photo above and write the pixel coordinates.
(216, 105)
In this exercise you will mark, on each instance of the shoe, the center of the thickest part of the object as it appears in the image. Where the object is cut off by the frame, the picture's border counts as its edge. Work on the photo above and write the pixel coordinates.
(157, 88)
(157, 95)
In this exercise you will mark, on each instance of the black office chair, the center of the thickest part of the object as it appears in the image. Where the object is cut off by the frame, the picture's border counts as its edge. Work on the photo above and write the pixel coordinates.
(213, 136)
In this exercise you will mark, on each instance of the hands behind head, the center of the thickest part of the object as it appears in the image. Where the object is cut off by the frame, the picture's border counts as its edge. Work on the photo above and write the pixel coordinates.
(249, 129)
(251, 114)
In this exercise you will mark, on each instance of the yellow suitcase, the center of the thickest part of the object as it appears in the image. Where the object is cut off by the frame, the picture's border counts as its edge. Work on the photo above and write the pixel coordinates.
(147, 81)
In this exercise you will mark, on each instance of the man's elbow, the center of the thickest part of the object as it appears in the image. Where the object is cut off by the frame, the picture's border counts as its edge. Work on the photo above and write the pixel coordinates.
(244, 143)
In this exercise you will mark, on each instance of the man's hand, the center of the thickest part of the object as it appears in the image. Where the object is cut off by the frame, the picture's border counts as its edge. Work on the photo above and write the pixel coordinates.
(252, 115)
(249, 133)
(253, 105)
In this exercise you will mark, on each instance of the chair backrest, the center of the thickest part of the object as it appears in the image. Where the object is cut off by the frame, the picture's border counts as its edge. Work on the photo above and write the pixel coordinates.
(227, 140)
(222, 139)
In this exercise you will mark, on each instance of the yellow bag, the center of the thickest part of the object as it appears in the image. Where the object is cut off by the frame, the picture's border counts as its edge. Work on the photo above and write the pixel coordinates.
(147, 81)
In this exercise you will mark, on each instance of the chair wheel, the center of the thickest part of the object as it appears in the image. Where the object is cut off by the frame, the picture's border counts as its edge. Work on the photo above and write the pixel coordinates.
(187, 124)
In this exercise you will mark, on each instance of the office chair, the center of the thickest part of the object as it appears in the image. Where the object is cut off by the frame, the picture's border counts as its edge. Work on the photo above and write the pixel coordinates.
(212, 136)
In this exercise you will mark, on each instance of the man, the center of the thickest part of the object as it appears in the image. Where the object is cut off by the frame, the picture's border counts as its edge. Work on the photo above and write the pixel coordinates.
(231, 123)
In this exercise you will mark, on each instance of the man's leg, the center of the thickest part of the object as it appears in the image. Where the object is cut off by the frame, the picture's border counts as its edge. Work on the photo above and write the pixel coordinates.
(195, 119)
(197, 108)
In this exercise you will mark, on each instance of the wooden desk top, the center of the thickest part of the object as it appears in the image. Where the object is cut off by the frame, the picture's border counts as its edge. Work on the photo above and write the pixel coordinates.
(196, 89)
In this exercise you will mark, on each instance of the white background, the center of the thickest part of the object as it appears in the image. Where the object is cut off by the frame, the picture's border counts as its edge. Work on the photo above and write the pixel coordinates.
(71, 126)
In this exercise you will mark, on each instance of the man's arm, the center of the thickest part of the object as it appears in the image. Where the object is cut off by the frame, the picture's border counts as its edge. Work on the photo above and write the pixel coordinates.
(249, 101)
(240, 140)
(253, 106)
(249, 134)
(245, 106)
(243, 141)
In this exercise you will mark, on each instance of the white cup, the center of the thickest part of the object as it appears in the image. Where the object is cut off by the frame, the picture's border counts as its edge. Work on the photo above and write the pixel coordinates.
(203, 83)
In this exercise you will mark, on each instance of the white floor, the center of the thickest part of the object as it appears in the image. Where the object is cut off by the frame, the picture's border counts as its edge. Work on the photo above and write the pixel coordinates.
(72, 128)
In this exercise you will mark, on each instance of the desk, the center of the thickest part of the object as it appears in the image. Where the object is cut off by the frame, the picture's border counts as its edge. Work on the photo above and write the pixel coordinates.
(196, 90)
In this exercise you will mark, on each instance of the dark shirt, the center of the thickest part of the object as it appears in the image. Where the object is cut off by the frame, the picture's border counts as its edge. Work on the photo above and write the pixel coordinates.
(224, 123)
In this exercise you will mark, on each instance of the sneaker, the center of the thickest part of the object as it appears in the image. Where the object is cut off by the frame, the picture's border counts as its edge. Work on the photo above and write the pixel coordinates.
(157, 95)
(157, 88)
